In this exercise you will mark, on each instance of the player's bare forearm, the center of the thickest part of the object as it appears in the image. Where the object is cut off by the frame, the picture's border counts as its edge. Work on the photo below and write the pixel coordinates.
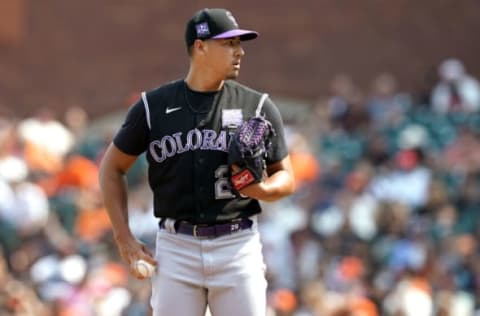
(279, 183)
(271, 189)
(114, 190)
(115, 201)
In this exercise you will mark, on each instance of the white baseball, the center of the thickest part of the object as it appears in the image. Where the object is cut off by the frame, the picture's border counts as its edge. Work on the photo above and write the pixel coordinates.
(144, 268)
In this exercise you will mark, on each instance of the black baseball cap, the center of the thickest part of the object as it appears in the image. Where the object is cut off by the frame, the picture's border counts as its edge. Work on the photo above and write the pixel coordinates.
(215, 23)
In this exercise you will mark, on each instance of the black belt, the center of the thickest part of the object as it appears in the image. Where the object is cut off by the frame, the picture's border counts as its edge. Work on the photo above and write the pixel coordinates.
(210, 231)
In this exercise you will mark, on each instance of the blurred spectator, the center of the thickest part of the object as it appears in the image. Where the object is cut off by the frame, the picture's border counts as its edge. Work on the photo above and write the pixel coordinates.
(275, 226)
(385, 104)
(87, 143)
(16, 297)
(412, 296)
(76, 121)
(283, 301)
(345, 104)
(46, 141)
(467, 202)
(342, 90)
(306, 167)
(344, 124)
(311, 298)
(76, 172)
(141, 220)
(378, 151)
(406, 182)
(354, 119)
(24, 208)
(455, 303)
(354, 207)
(92, 223)
(413, 136)
(24, 205)
(462, 156)
(307, 256)
(456, 91)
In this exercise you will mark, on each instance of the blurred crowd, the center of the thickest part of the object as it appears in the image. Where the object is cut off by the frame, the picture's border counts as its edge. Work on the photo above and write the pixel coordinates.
(384, 220)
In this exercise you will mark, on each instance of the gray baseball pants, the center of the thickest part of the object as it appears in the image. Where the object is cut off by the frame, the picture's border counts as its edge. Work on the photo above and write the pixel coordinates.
(227, 273)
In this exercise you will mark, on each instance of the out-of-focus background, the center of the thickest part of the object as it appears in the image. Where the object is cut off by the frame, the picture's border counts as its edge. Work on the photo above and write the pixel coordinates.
(381, 102)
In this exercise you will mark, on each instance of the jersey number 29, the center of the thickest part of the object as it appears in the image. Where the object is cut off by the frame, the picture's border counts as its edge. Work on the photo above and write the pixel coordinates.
(223, 189)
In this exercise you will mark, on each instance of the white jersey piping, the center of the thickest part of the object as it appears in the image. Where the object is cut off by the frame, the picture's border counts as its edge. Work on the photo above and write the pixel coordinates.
(147, 110)
(260, 104)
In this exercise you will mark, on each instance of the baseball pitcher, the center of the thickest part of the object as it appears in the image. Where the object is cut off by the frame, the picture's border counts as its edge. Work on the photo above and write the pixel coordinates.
(215, 148)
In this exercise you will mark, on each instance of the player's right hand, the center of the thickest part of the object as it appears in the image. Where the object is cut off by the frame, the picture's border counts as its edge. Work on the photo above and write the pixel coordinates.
(131, 250)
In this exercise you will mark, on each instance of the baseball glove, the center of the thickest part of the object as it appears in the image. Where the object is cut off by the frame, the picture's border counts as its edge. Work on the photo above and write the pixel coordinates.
(248, 149)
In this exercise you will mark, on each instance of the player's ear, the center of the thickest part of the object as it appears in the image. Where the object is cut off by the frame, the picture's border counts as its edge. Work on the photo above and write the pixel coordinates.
(199, 46)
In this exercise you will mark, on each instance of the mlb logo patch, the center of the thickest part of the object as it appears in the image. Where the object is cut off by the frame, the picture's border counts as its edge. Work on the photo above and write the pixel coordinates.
(232, 117)
(202, 29)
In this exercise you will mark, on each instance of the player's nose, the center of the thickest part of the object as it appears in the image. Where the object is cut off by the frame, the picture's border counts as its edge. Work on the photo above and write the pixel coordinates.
(240, 51)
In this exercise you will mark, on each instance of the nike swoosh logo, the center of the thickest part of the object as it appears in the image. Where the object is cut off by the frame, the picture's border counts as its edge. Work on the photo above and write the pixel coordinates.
(170, 110)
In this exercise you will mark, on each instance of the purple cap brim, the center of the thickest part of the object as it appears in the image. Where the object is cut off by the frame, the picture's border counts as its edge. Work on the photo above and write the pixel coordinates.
(244, 35)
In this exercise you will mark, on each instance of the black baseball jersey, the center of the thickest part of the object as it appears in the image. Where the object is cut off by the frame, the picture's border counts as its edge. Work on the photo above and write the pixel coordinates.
(185, 135)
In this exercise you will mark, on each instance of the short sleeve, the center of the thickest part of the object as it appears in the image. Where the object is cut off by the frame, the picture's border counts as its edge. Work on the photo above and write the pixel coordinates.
(132, 137)
(279, 149)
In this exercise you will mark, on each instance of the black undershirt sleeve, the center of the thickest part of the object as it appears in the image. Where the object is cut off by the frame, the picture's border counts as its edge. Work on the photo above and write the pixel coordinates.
(279, 149)
(132, 137)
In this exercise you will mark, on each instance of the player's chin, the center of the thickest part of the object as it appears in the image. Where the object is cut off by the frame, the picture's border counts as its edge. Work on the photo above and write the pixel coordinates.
(233, 74)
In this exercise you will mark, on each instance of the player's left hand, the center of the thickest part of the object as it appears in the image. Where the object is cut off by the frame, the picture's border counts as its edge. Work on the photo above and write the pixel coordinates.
(253, 190)
(248, 150)
(276, 182)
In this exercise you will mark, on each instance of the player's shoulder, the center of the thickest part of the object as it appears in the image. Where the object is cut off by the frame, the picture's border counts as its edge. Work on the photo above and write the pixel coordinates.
(164, 89)
(234, 86)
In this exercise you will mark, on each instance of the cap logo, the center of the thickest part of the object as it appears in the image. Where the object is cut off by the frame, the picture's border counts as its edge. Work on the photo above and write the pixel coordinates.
(230, 16)
(202, 29)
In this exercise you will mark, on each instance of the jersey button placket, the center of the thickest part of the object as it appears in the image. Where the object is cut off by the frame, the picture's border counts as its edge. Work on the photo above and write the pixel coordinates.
(199, 189)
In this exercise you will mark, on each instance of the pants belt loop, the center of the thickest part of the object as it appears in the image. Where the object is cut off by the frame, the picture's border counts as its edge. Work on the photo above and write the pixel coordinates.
(170, 225)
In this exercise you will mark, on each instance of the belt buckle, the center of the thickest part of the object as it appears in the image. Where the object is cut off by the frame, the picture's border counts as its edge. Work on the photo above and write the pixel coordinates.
(195, 234)
(234, 227)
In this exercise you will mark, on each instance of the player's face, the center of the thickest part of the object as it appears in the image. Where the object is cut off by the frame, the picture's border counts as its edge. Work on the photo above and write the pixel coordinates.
(225, 56)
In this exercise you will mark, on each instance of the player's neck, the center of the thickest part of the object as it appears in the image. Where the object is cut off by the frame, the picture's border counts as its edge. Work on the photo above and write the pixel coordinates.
(201, 82)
